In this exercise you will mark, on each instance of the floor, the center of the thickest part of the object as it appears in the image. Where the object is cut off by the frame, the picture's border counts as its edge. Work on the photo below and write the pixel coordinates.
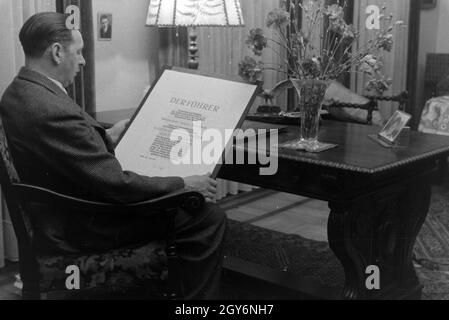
(263, 208)
(281, 212)
(7, 278)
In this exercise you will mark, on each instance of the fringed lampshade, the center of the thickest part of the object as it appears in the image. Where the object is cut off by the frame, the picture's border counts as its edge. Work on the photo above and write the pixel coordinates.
(188, 13)
(194, 13)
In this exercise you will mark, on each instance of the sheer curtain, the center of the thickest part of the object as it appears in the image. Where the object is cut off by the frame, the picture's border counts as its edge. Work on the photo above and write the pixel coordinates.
(395, 62)
(221, 50)
(14, 13)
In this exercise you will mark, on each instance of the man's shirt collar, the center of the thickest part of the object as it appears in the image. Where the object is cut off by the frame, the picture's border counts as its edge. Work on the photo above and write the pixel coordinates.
(59, 84)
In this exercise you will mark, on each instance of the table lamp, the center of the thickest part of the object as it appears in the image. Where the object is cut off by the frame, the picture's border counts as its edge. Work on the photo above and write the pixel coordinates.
(194, 13)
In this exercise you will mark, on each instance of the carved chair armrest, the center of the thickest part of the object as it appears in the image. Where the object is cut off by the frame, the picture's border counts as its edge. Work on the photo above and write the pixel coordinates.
(401, 98)
(370, 107)
(366, 106)
(187, 199)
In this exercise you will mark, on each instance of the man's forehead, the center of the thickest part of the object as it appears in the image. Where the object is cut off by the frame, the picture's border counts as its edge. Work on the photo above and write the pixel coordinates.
(77, 37)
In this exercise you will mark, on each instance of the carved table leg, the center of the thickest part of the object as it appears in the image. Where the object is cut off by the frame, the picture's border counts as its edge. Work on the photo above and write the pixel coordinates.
(380, 230)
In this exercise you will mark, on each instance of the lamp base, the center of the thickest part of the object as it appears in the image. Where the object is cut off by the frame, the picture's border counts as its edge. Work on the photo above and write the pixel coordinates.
(193, 64)
(193, 61)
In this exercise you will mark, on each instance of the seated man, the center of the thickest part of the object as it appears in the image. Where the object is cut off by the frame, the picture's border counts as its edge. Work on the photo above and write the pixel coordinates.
(58, 146)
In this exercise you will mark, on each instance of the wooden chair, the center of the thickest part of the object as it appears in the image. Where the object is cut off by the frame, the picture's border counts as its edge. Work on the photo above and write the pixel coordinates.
(117, 273)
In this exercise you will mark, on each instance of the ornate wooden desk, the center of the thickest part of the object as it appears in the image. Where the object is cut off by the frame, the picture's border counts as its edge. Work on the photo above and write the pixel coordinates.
(378, 199)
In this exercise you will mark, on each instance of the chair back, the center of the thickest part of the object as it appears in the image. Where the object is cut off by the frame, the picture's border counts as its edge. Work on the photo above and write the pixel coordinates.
(21, 223)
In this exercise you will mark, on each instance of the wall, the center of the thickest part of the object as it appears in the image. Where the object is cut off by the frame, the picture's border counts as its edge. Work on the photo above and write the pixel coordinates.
(129, 63)
(433, 39)
(122, 67)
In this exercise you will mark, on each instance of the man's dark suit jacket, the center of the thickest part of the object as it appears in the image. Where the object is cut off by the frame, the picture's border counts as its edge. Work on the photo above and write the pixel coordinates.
(55, 144)
(107, 34)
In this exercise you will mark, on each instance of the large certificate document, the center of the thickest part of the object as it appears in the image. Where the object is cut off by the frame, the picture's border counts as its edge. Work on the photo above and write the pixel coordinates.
(182, 125)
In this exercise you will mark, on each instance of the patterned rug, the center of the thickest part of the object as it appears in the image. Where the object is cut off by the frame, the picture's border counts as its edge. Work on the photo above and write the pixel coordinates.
(315, 259)
(432, 248)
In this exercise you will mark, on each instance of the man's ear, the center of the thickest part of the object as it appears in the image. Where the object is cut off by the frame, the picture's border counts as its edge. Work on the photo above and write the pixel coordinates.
(57, 53)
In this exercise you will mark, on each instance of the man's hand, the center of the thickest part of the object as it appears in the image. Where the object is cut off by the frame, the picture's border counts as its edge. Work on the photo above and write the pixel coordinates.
(204, 184)
(116, 131)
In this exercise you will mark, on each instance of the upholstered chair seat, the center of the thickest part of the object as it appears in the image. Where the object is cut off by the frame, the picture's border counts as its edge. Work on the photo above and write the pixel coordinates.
(122, 271)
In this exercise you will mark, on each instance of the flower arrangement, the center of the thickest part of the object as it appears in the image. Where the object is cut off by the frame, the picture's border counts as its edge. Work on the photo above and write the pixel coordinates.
(324, 49)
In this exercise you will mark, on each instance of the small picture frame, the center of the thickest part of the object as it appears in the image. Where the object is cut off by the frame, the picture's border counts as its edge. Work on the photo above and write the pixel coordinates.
(104, 26)
(394, 126)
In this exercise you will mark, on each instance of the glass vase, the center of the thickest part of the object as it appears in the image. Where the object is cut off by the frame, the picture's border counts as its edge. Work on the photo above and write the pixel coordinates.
(311, 96)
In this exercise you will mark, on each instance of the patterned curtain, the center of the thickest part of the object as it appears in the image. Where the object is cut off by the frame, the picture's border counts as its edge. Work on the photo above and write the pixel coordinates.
(14, 14)
(171, 48)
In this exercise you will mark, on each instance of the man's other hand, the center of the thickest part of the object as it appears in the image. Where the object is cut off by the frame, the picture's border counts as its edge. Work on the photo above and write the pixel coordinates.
(116, 131)
(204, 184)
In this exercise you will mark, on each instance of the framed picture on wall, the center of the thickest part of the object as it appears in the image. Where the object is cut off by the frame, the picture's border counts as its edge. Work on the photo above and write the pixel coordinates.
(428, 4)
(104, 26)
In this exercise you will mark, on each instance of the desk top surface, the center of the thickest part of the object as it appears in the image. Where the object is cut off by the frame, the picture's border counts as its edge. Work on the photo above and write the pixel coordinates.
(355, 151)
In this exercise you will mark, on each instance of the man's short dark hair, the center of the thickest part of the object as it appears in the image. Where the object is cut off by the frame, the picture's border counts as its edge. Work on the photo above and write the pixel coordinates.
(42, 30)
(104, 17)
